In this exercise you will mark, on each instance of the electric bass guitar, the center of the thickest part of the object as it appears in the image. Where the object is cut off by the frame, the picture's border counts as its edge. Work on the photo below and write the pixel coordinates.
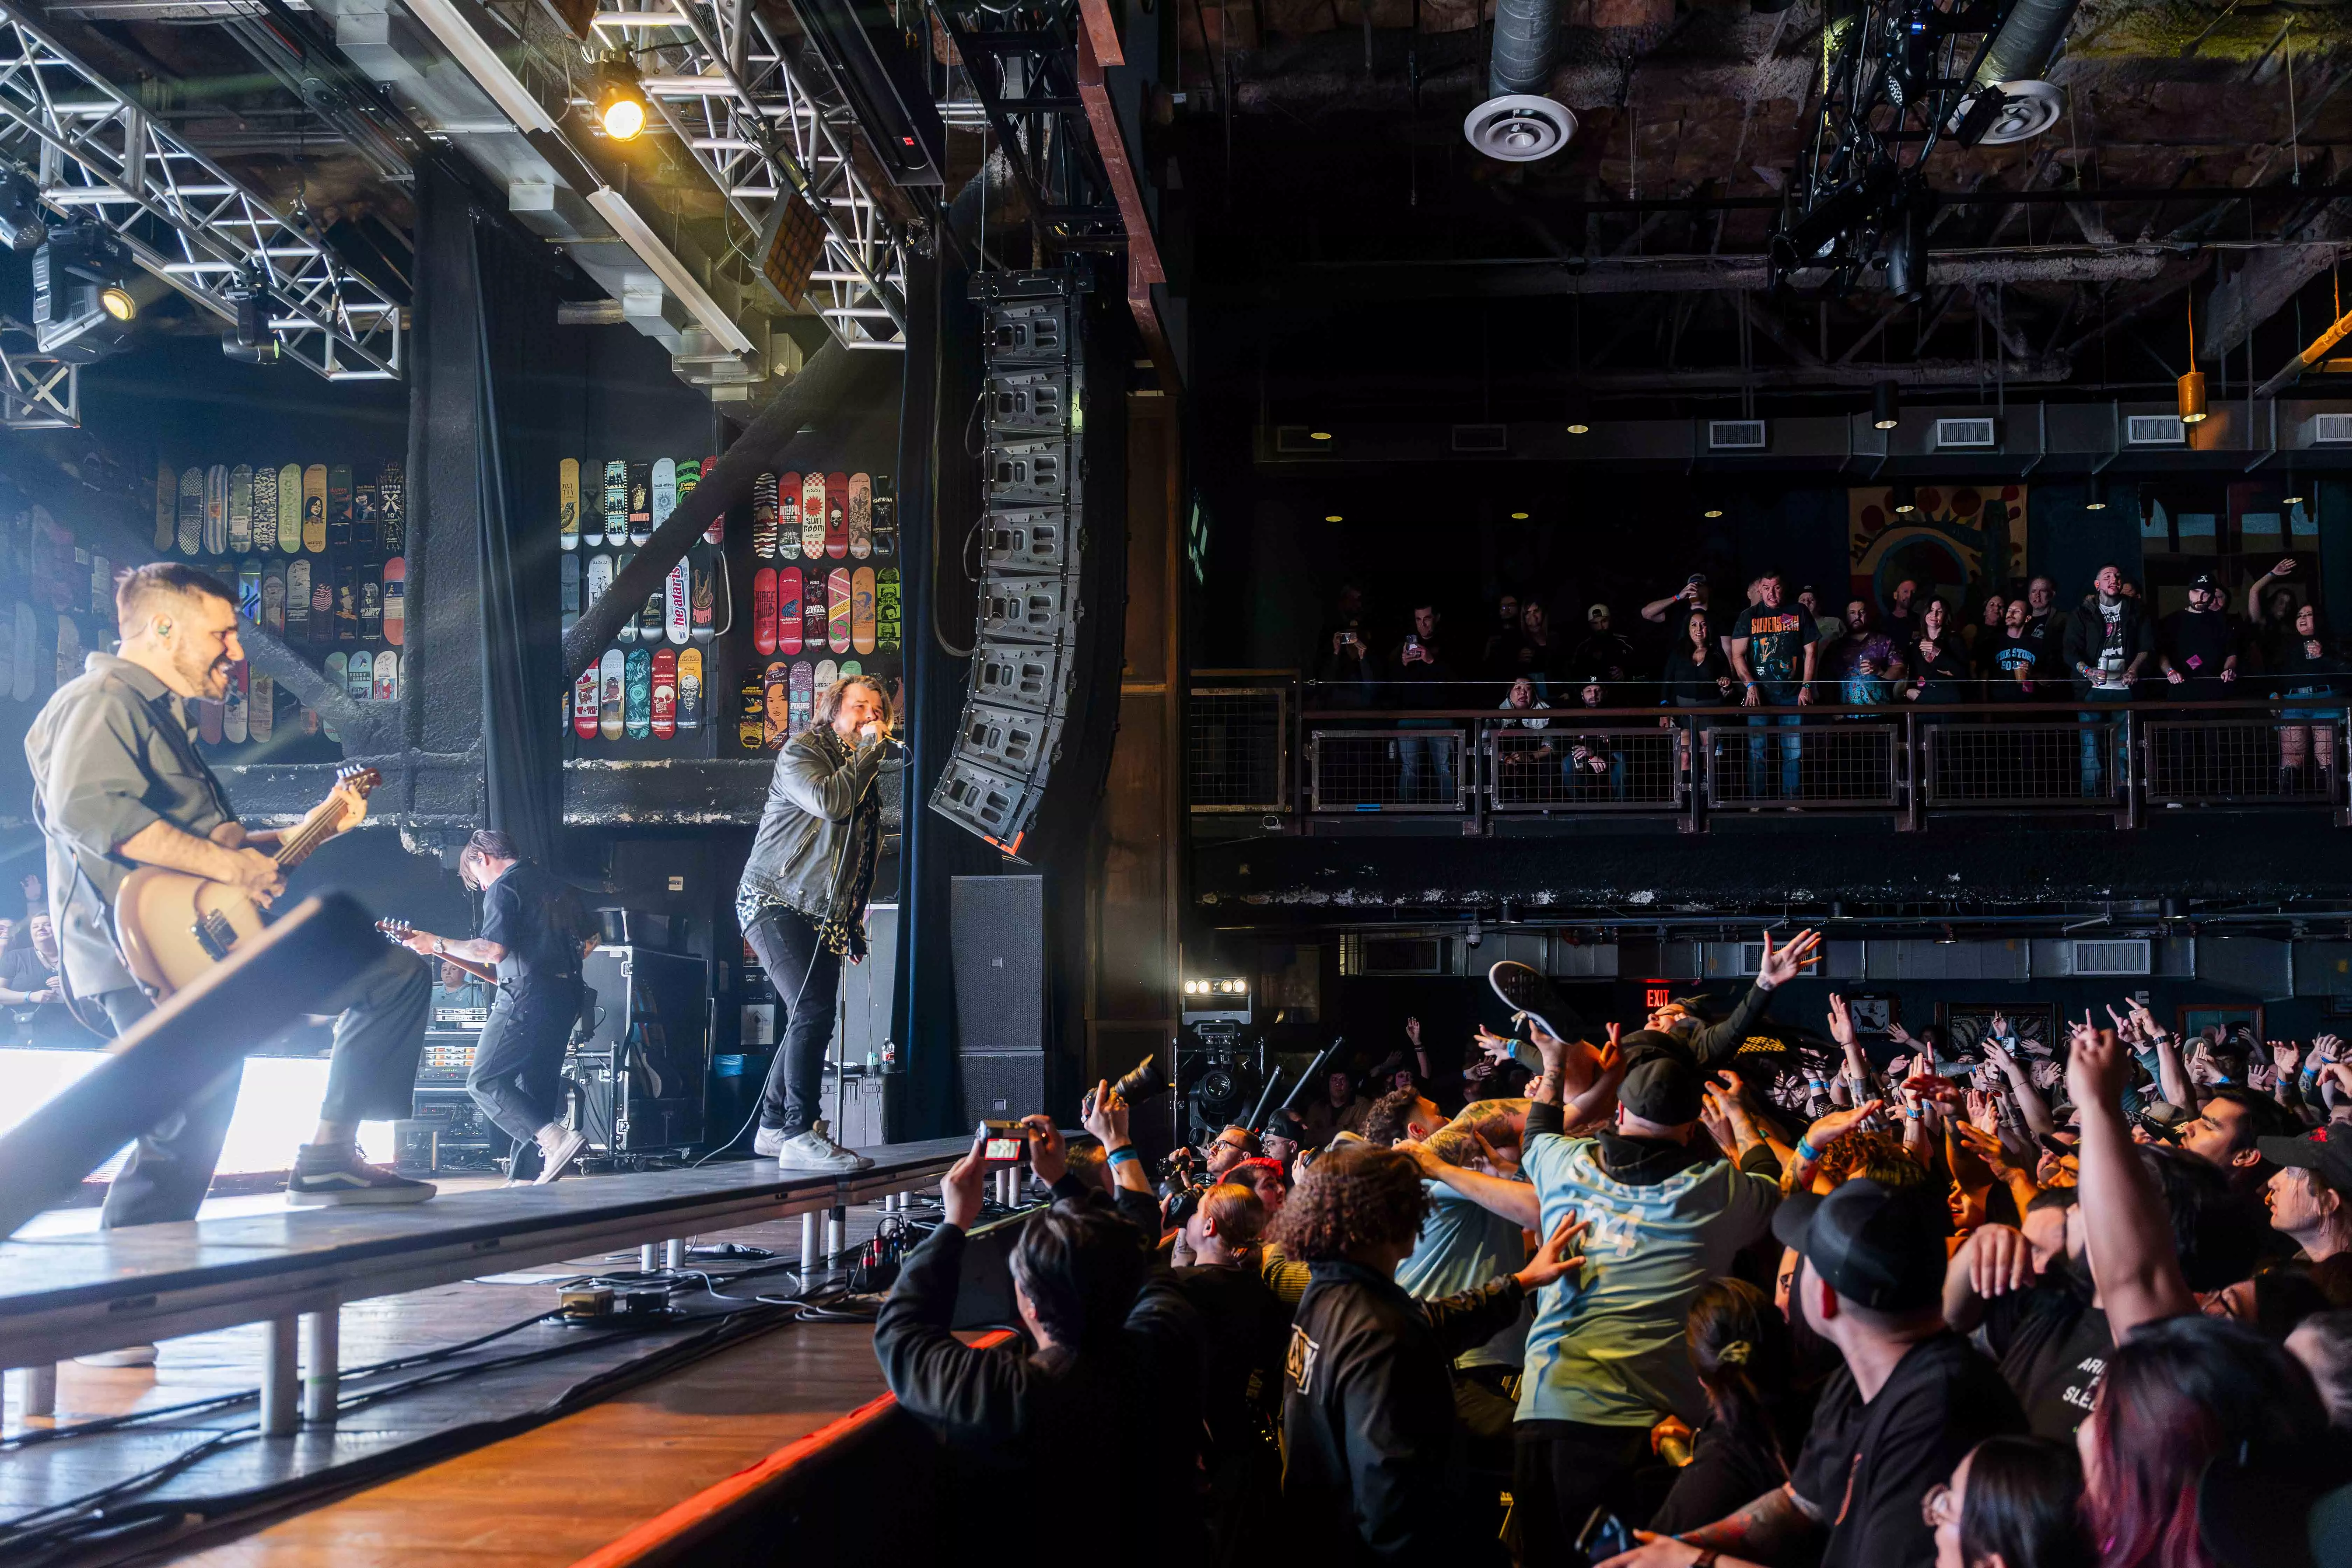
(398, 931)
(173, 926)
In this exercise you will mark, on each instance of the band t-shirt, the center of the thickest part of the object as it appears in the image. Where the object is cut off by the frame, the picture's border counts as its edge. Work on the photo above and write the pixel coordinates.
(538, 919)
(1776, 640)
(2053, 1348)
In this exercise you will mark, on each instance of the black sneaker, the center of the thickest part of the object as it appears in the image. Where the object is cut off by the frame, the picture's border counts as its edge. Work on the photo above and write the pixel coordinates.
(1528, 991)
(328, 1178)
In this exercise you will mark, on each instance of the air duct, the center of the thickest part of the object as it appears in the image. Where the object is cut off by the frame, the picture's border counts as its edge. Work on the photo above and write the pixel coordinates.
(2007, 101)
(1518, 123)
(2023, 48)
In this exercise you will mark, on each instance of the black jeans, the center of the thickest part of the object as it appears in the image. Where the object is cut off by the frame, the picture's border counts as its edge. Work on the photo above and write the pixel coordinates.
(807, 976)
(371, 1077)
(1565, 1469)
(518, 1066)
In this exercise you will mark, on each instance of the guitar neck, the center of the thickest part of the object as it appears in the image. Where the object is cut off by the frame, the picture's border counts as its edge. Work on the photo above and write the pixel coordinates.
(321, 825)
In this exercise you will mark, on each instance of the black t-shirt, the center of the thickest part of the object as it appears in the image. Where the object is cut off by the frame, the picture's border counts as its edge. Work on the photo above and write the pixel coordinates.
(2014, 667)
(1722, 1478)
(1942, 672)
(1866, 1465)
(1903, 627)
(1776, 640)
(2052, 1346)
(1692, 681)
(2197, 642)
(539, 919)
(1247, 1332)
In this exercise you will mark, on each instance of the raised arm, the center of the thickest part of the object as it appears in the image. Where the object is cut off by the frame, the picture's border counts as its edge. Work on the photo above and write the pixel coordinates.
(1513, 1200)
(2133, 1262)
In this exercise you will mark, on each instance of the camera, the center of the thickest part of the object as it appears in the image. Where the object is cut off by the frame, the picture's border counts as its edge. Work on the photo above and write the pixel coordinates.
(1005, 1141)
(1146, 1079)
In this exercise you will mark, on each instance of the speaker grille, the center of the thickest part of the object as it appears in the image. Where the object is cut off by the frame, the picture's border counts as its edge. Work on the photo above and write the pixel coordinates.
(1000, 964)
(1000, 1085)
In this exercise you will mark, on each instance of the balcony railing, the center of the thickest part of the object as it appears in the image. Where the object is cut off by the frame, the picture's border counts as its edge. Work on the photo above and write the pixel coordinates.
(1257, 747)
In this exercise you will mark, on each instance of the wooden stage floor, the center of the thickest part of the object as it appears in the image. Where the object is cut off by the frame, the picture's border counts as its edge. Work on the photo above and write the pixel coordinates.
(548, 1495)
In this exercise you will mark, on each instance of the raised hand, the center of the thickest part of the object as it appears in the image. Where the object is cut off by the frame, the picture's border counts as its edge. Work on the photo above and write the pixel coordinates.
(1049, 1151)
(1829, 1129)
(960, 1189)
(2000, 1260)
(1778, 967)
(1557, 1255)
(1841, 1020)
(2285, 1054)
(1494, 1047)
(1104, 1114)
(2095, 1073)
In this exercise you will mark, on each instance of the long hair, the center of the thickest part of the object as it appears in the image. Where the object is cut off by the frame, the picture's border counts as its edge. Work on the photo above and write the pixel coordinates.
(1740, 1347)
(2024, 1501)
(828, 702)
(2177, 1392)
(1358, 1196)
(1080, 1268)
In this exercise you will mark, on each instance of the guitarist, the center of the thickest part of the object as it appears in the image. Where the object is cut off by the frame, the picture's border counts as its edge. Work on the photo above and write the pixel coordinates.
(535, 929)
(117, 783)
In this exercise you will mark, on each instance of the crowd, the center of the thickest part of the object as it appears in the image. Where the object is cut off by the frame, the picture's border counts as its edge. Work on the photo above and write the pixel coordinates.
(1605, 1297)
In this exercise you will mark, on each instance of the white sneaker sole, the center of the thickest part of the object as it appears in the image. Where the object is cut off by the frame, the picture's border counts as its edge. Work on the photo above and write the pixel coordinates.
(565, 1152)
(832, 1164)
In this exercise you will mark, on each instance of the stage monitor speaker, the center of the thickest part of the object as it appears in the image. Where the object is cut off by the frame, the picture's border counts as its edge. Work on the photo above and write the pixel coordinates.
(999, 930)
(1001, 1085)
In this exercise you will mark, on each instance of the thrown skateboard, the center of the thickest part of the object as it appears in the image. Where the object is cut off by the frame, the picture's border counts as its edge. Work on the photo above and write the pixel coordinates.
(861, 516)
(861, 609)
(192, 511)
(678, 615)
(167, 506)
(665, 694)
(290, 509)
(641, 504)
(216, 510)
(584, 704)
(240, 508)
(779, 702)
(788, 609)
(265, 509)
(764, 610)
(837, 515)
(836, 592)
(886, 609)
(752, 713)
(813, 516)
(233, 705)
(360, 671)
(690, 689)
(387, 676)
(395, 598)
(763, 517)
(611, 695)
(567, 504)
(339, 506)
(298, 600)
(639, 716)
(261, 713)
(314, 509)
(273, 597)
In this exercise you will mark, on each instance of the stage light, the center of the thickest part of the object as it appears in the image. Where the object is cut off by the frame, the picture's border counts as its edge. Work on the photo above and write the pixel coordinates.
(621, 107)
(1886, 397)
(2291, 494)
(1519, 517)
(1578, 427)
(1319, 435)
(1333, 517)
(2095, 499)
(250, 339)
(2192, 388)
(22, 224)
(1712, 512)
(117, 303)
(1902, 498)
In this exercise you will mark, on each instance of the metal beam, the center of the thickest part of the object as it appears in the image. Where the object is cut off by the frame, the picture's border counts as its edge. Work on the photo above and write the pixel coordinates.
(2268, 282)
(1682, 274)
(93, 151)
(1918, 373)
(37, 392)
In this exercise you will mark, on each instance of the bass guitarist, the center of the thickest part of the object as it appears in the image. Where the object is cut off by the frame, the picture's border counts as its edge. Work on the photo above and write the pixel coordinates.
(535, 930)
(118, 783)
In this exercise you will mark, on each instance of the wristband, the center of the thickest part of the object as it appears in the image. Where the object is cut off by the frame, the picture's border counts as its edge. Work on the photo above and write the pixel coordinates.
(1806, 1152)
(1121, 1154)
(1914, 1115)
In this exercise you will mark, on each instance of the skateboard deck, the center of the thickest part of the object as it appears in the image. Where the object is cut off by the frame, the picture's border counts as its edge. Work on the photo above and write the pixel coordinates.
(600, 576)
(788, 610)
(387, 676)
(612, 697)
(360, 670)
(568, 593)
(716, 533)
(836, 621)
(273, 597)
(689, 475)
(339, 506)
(764, 610)
(788, 518)
(813, 516)
(886, 609)
(827, 672)
(861, 516)
(216, 510)
(837, 515)
(650, 619)
(641, 504)
(371, 604)
(322, 602)
(752, 713)
(248, 590)
(638, 718)
(664, 492)
(298, 601)
(850, 667)
(861, 609)
(190, 515)
(261, 712)
(763, 517)
(690, 689)
(347, 605)
(584, 704)
(886, 517)
(167, 506)
(616, 502)
(704, 603)
(290, 509)
(337, 672)
(240, 508)
(20, 681)
(627, 630)
(233, 728)
(314, 509)
(208, 721)
(265, 509)
(812, 610)
(779, 717)
(567, 503)
(665, 694)
(677, 616)
(392, 510)
(396, 600)
(367, 518)
(68, 663)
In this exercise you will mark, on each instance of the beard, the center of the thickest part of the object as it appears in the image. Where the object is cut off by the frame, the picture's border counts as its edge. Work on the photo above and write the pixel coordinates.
(209, 679)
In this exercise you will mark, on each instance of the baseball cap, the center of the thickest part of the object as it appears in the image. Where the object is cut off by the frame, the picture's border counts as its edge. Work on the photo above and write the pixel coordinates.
(1662, 1090)
(2203, 580)
(1880, 1247)
(1594, 611)
(2331, 1157)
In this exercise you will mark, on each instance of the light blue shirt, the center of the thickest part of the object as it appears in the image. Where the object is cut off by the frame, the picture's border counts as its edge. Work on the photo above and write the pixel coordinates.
(1608, 1350)
(1461, 1247)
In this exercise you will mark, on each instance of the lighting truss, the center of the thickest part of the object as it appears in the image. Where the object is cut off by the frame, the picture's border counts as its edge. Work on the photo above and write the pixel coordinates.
(1023, 63)
(93, 151)
(37, 392)
(767, 127)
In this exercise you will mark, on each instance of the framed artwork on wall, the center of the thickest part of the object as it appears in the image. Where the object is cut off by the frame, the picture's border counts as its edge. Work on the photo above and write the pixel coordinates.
(2191, 1017)
(1967, 1025)
(1874, 1012)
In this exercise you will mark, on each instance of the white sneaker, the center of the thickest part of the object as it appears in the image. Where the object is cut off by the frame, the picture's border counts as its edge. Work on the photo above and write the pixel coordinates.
(767, 1142)
(129, 1355)
(815, 1150)
(551, 1160)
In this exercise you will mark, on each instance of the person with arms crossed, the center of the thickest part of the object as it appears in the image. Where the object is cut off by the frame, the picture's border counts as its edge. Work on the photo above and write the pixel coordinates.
(1773, 650)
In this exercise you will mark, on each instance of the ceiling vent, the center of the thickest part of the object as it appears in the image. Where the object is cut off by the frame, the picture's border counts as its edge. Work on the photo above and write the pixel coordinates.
(1735, 435)
(1520, 127)
(2155, 430)
(1361, 954)
(1482, 438)
(1964, 434)
(2331, 429)
(2114, 957)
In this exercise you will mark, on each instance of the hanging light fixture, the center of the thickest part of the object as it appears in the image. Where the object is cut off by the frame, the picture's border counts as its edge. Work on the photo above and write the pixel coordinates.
(2096, 500)
(621, 107)
(1885, 400)
(1903, 498)
(2191, 385)
(2292, 494)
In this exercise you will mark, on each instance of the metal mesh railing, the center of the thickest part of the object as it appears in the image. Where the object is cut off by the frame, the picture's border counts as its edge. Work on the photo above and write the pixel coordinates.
(1616, 767)
(1782, 760)
(1236, 748)
(2229, 761)
(2054, 764)
(1421, 768)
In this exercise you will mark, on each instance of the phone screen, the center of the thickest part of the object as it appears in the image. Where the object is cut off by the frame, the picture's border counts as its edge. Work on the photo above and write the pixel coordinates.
(1002, 1149)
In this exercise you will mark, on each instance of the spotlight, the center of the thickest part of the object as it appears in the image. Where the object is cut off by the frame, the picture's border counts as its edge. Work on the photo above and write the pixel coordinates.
(1903, 498)
(621, 107)
(117, 303)
(2094, 499)
(21, 226)
(250, 339)
(77, 283)
(1885, 398)
(2191, 389)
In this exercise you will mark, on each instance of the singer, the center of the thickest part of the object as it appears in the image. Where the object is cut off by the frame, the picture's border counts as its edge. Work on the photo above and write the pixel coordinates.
(802, 904)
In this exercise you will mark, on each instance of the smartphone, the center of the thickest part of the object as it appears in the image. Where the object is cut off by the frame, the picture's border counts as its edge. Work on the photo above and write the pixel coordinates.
(1604, 1535)
(1006, 1141)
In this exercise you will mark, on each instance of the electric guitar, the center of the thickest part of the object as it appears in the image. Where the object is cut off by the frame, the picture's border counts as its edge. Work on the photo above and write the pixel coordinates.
(171, 926)
(398, 931)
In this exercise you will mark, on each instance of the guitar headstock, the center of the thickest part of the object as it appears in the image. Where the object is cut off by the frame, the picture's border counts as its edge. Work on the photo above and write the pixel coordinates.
(396, 929)
(353, 782)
